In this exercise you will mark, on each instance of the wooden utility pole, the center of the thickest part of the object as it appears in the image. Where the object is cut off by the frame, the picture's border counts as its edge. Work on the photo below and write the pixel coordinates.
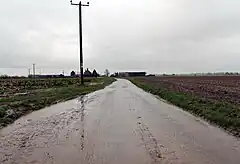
(80, 37)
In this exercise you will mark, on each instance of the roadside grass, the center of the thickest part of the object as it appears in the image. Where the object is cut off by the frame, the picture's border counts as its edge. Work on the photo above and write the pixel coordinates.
(222, 114)
(11, 108)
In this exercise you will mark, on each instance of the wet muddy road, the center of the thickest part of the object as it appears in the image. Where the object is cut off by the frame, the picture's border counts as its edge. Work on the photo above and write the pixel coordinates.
(120, 124)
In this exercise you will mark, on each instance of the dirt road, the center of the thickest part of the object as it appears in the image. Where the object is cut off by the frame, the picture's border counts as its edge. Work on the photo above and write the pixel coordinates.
(118, 125)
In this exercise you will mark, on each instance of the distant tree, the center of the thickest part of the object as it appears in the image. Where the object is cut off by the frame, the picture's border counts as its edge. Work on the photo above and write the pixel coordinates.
(116, 74)
(106, 72)
(227, 73)
(87, 73)
(73, 73)
(4, 76)
(94, 73)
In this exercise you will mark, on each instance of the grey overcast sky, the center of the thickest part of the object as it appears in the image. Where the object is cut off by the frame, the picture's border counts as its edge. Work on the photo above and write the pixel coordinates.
(157, 36)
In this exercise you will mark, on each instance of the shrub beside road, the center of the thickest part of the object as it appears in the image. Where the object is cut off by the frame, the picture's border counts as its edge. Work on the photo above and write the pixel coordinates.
(216, 99)
(21, 96)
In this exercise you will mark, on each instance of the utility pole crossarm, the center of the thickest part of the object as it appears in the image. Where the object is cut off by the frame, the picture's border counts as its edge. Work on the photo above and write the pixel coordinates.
(73, 3)
(80, 3)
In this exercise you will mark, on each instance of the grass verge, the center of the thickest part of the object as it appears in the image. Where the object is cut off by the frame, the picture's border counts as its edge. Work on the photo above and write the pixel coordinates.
(12, 108)
(222, 114)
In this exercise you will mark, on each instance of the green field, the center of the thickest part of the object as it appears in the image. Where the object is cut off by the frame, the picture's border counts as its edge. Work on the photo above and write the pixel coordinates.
(21, 96)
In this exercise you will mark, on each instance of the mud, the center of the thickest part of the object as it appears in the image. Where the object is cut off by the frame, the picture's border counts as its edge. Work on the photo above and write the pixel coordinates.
(119, 124)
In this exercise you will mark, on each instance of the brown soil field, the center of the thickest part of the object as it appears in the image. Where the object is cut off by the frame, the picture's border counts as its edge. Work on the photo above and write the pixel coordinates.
(211, 88)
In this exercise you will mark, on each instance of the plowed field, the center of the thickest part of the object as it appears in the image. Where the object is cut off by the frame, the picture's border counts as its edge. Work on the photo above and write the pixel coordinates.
(212, 88)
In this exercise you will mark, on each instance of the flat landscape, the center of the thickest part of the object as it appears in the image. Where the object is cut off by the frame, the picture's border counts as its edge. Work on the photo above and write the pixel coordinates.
(215, 98)
(118, 124)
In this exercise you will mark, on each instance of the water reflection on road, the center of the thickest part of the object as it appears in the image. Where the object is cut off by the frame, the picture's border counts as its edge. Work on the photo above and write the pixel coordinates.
(119, 124)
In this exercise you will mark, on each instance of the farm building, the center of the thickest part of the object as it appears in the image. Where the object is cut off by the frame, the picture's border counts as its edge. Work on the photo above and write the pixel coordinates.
(132, 74)
(46, 76)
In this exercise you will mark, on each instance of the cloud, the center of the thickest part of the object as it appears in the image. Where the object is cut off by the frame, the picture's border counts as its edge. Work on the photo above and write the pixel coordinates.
(156, 36)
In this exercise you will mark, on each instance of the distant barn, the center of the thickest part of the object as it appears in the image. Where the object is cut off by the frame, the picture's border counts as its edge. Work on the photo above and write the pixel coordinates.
(132, 74)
